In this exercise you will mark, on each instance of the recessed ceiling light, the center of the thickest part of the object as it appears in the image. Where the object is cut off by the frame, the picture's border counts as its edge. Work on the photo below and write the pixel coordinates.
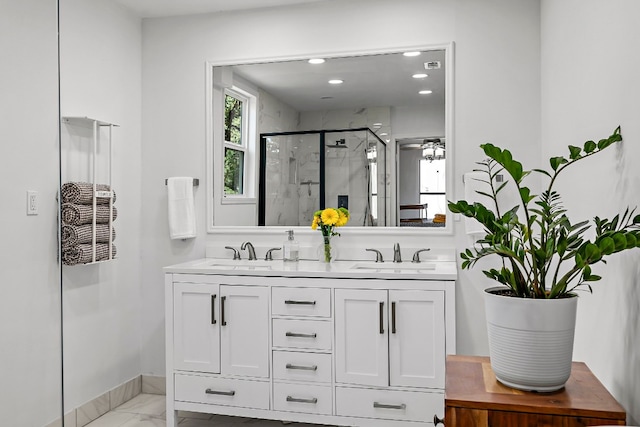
(377, 125)
(411, 53)
(420, 75)
(335, 81)
(384, 134)
(425, 92)
(316, 61)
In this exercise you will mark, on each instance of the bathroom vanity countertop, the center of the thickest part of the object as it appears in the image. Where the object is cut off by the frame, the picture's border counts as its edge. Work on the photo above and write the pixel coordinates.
(426, 270)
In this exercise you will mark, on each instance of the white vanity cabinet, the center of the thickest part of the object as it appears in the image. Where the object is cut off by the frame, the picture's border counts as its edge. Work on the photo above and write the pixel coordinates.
(316, 347)
(390, 337)
(221, 329)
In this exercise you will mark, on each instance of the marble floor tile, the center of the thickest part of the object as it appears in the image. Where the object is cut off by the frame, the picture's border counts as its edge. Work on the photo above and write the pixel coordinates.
(148, 410)
(145, 404)
(112, 419)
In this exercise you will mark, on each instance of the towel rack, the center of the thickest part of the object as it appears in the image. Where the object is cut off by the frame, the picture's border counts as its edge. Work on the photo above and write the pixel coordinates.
(196, 182)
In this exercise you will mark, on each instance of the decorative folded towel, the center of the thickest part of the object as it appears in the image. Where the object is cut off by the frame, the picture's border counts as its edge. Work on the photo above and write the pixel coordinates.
(182, 212)
(83, 253)
(82, 193)
(76, 234)
(73, 214)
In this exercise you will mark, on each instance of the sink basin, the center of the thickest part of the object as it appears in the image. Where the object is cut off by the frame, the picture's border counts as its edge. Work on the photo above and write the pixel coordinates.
(229, 264)
(395, 266)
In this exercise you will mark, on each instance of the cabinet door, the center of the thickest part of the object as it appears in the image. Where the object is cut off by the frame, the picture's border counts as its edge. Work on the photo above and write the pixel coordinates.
(416, 338)
(196, 341)
(361, 337)
(244, 330)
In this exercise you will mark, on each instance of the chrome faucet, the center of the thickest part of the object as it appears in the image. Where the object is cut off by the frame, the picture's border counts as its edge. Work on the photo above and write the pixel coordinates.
(378, 255)
(397, 257)
(416, 256)
(252, 251)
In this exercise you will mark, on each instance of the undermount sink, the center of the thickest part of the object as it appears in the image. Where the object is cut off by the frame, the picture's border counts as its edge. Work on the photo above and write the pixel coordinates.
(398, 266)
(230, 264)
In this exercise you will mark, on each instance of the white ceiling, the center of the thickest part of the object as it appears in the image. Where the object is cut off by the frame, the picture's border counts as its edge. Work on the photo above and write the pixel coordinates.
(158, 8)
(369, 81)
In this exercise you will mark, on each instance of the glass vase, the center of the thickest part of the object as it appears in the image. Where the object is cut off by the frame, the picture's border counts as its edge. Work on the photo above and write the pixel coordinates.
(326, 252)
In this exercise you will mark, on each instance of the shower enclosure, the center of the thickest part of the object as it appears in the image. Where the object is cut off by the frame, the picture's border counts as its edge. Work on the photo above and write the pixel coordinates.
(304, 171)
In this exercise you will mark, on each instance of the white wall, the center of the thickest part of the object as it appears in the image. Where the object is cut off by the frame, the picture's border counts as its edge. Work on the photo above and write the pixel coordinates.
(100, 78)
(30, 303)
(497, 80)
(591, 58)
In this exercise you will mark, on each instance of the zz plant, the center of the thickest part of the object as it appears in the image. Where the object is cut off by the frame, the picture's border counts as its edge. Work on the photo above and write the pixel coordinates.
(544, 254)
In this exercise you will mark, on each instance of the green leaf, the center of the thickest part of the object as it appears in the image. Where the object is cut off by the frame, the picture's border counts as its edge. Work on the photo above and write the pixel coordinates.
(592, 253)
(579, 260)
(542, 171)
(593, 278)
(556, 162)
(575, 152)
(607, 245)
(589, 146)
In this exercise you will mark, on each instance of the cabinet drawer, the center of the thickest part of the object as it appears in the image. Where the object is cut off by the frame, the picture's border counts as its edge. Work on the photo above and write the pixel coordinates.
(290, 365)
(221, 391)
(311, 399)
(311, 334)
(301, 302)
(388, 404)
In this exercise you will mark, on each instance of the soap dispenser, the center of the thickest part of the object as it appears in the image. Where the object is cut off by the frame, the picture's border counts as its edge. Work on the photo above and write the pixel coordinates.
(291, 248)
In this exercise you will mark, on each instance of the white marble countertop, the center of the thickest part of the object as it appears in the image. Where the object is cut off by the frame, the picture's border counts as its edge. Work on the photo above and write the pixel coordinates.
(425, 270)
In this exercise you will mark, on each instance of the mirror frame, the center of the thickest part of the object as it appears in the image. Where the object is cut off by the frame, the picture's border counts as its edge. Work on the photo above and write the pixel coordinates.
(214, 153)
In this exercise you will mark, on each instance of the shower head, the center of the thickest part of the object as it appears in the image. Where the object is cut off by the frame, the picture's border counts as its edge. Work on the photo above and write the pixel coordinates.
(340, 143)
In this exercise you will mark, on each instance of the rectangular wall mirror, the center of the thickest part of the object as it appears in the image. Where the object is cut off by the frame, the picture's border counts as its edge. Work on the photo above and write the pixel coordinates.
(370, 132)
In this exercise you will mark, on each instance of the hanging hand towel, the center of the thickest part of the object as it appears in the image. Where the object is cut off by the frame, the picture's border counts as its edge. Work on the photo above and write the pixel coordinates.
(182, 212)
(473, 182)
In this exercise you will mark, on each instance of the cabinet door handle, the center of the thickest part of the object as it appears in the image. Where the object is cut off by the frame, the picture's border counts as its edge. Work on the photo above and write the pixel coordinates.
(393, 317)
(222, 319)
(389, 406)
(382, 317)
(437, 420)
(299, 335)
(219, 392)
(302, 368)
(313, 400)
(290, 301)
(213, 309)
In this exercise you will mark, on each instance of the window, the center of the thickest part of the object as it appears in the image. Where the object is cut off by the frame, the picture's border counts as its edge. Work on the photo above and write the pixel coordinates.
(432, 186)
(239, 144)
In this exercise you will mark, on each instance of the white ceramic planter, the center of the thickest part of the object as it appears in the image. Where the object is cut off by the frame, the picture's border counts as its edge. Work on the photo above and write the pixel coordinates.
(530, 340)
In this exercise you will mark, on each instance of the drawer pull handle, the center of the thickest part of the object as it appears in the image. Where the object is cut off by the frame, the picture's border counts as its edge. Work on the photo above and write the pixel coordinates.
(388, 406)
(222, 393)
(381, 316)
(290, 301)
(302, 368)
(313, 400)
(298, 335)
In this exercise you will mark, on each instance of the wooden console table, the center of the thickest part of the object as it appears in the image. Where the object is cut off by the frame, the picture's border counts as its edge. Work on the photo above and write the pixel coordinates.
(474, 398)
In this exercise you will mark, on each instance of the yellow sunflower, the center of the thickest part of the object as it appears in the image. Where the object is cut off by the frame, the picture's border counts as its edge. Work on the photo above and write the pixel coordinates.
(343, 219)
(330, 216)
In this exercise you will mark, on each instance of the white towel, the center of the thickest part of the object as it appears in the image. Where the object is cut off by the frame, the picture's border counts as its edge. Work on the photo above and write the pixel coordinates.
(182, 212)
(472, 184)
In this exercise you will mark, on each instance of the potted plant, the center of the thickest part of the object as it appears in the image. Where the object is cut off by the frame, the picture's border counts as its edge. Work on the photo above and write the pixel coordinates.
(545, 258)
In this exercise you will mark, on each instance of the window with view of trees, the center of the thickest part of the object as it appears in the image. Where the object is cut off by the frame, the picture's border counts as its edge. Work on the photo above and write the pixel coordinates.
(235, 143)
